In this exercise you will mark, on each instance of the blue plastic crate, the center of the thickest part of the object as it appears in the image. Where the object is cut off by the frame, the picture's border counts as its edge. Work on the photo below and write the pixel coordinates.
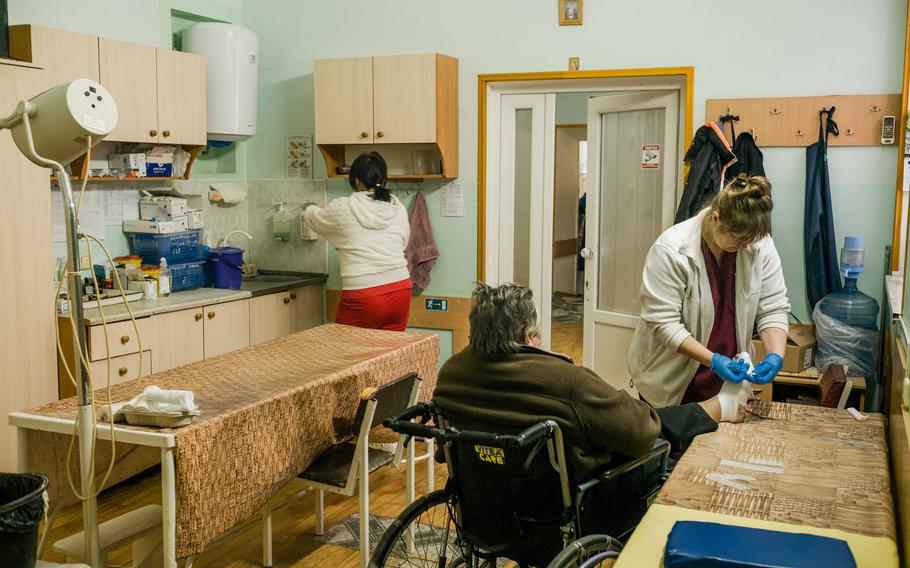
(175, 247)
(187, 275)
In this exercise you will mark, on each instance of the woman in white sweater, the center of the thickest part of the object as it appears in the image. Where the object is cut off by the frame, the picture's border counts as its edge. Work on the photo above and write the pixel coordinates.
(706, 283)
(370, 230)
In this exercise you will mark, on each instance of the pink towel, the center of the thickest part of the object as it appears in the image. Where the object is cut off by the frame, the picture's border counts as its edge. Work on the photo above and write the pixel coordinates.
(421, 251)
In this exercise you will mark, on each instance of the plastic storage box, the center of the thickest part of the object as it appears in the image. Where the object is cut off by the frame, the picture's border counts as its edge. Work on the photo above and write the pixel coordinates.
(175, 247)
(187, 275)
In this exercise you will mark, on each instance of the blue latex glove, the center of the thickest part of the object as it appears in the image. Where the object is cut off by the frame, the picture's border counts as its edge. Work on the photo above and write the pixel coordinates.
(728, 369)
(766, 370)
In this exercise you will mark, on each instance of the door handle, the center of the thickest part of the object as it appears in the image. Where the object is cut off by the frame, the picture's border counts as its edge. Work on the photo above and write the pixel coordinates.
(122, 371)
(587, 253)
(363, 134)
(125, 339)
(293, 296)
(198, 317)
(287, 300)
(166, 133)
(153, 133)
(380, 134)
(211, 315)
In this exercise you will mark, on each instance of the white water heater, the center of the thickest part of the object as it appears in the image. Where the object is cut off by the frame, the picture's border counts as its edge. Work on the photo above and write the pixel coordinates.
(231, 77)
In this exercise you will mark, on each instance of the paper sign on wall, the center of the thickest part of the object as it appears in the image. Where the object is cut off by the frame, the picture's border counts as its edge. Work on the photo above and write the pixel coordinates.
(650, 157)
(299, 157)
(451, 199)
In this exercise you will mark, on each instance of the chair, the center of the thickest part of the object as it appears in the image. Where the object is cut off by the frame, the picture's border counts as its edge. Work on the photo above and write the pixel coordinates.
(339, 468)
(507, 496)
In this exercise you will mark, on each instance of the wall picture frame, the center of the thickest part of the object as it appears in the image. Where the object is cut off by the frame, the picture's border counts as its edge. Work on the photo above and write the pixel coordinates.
(570, 12)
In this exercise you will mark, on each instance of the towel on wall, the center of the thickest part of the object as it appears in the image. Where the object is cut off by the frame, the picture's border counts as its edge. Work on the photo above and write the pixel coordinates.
(421, 251)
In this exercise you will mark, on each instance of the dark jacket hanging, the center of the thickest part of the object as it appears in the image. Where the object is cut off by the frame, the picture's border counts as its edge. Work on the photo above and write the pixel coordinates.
(822, 269)
(749, 159)
(708, 157)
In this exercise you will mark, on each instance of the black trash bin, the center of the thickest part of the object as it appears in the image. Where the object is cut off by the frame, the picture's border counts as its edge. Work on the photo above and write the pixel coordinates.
(21, 509)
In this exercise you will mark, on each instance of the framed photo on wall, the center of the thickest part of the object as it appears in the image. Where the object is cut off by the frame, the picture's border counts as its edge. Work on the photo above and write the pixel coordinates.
(570, 12)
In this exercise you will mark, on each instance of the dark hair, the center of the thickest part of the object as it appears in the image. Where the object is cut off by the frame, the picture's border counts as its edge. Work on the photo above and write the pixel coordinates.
(744, 207)
(501, 318)
(370, 170)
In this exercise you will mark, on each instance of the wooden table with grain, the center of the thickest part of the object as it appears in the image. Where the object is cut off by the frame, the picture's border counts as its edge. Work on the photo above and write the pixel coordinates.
(267, 412)
(807, 469)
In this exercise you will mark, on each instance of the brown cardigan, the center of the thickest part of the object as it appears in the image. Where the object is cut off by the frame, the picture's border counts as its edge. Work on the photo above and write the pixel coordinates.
(509, 392)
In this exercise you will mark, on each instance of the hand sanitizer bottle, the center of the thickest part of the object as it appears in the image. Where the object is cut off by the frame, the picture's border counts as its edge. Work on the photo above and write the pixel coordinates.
(281, 224)
(164, 278)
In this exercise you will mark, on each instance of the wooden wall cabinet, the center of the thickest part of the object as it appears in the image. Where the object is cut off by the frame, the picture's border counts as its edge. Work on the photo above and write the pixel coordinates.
(389, 100)
(160, 93)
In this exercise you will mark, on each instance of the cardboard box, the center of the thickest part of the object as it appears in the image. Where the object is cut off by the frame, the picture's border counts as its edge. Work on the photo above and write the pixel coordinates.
(194, 219)
(800, 351)
(162, 208)
(127, 163)
(155, 227)
(159, 162)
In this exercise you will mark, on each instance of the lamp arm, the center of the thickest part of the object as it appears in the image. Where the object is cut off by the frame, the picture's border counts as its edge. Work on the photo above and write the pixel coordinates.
(24, 108)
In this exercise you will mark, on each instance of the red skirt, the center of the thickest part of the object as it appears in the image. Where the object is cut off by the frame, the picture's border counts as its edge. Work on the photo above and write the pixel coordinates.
(380, 307)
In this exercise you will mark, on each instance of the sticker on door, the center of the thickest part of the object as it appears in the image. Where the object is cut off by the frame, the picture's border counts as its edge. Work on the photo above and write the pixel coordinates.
(650, 157)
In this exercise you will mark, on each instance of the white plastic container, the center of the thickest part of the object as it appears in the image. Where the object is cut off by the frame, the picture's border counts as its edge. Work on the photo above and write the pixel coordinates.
(231, 77)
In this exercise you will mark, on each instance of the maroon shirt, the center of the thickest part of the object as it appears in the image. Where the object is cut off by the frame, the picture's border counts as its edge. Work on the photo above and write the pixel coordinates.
(722, 277)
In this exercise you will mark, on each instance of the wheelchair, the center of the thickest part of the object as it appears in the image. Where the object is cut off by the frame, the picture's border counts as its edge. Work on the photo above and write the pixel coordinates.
(506, 497)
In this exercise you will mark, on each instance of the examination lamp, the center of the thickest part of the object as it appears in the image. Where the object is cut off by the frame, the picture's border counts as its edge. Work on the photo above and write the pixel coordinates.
(52, 129)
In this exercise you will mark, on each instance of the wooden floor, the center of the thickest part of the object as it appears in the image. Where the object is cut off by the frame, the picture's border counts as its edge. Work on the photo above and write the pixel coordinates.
(568, 338)
(294, 544)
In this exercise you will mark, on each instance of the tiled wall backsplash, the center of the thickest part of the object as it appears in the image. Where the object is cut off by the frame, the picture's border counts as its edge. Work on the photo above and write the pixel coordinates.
(254, 216)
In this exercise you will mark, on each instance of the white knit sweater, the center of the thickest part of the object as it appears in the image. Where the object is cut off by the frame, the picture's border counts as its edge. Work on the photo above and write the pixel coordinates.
(370, 236)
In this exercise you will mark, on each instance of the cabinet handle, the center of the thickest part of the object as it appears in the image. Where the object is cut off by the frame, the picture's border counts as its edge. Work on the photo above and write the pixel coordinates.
(380, 134)
(211, 315)
(293, 296)
(123, 371)
(166, 133)
(198, 317)
(153, 133)
(125, 339)
(364, 134)
(287, 300)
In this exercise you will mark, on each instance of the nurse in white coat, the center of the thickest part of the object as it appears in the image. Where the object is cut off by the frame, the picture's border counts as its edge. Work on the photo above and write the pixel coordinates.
(707, 283)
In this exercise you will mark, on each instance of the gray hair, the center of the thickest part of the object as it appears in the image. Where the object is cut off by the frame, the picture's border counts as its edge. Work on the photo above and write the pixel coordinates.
(501, 318)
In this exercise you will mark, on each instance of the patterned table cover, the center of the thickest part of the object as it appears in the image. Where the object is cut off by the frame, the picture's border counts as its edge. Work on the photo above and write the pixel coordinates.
(811, 466)
(267, 412)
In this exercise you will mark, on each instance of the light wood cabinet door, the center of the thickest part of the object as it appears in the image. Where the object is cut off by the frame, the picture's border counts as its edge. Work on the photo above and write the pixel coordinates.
(306, 307)
(404, 99)
(179, 339)
(181, 97)
(63, 55)
(128, 71)
(344, 100)
(270, 317)
(227, 327)
(123, 368)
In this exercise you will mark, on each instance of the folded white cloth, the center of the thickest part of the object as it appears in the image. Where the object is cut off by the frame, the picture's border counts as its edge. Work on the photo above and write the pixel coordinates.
(153, 399)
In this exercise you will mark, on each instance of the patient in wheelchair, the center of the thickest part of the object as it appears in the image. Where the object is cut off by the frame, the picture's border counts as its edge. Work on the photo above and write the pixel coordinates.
(502, 382)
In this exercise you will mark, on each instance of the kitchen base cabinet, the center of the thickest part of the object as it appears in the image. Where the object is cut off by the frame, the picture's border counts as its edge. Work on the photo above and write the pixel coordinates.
(270, 317)
(179, 339)
(227, 327)
(306, 308)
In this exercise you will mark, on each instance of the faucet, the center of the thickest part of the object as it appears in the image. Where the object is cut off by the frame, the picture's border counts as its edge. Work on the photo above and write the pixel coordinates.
(249, 269)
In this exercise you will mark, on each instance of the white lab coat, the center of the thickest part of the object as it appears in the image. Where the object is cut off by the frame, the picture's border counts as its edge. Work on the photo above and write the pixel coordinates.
(677, 302)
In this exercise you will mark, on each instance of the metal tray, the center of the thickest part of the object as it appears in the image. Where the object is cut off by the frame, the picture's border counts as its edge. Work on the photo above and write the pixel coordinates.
(159, 419)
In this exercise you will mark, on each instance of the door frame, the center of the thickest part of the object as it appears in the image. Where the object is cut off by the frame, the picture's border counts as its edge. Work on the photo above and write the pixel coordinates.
(491, 86)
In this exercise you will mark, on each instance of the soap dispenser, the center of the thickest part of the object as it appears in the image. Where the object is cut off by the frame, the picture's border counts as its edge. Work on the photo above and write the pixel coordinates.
(281, 223)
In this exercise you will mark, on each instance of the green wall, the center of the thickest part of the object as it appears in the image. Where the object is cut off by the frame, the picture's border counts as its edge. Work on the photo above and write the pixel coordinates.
(804, 57)
(517, 35)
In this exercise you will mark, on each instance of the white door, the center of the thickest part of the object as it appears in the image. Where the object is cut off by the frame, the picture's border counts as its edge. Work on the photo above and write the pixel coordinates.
(631, 198)
(519, 209)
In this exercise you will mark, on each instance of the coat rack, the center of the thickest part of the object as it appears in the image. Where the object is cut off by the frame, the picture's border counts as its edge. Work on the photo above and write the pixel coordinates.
(793, 121)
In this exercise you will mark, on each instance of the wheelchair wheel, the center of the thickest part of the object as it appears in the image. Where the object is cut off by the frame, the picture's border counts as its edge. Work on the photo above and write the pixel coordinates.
(423, 535)
(587, 552)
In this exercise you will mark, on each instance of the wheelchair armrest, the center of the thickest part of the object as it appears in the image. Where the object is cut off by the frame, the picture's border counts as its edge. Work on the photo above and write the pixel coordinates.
(661, 448)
